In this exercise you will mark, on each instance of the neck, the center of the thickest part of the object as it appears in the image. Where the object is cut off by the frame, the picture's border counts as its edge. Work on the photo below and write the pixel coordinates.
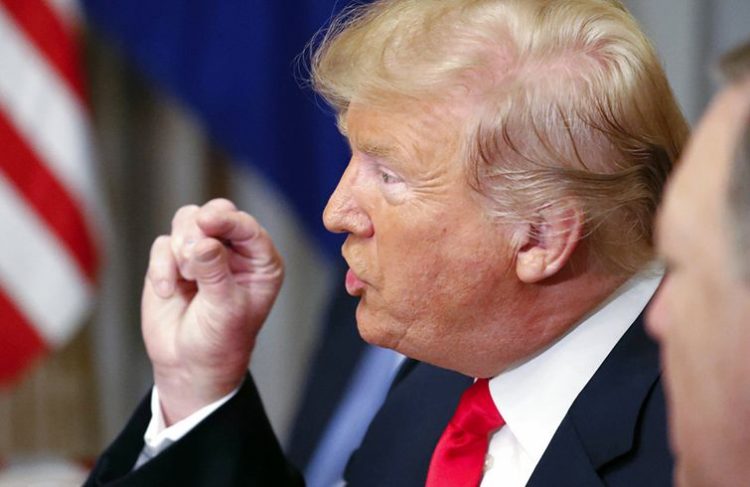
(544, 312)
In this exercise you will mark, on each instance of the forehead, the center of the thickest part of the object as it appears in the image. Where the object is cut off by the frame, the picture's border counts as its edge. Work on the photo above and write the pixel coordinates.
(408, 131)
(405, 116)
(695, 202)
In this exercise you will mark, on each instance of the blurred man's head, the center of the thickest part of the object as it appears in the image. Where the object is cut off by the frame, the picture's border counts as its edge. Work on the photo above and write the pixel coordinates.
(702, 311)
(508, 157)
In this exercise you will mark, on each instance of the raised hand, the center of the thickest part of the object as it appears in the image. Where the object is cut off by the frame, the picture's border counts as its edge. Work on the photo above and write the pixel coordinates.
(210, 286)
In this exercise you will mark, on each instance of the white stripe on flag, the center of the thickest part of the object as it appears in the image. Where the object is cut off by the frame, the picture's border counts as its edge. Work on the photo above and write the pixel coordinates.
(37, 273)
(46, 113)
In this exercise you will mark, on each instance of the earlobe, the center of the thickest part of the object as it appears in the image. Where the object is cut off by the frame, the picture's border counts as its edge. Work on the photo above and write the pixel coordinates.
(530, 265)
(548, 244)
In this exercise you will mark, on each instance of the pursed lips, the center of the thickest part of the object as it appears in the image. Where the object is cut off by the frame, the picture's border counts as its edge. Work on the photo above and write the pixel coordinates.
(354, 284)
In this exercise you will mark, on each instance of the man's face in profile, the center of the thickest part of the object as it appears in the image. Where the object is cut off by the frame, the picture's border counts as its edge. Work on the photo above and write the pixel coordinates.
(430, 266)
(701, 314)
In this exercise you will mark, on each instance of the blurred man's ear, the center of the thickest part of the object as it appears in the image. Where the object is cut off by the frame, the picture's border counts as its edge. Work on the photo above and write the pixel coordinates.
(548, 243)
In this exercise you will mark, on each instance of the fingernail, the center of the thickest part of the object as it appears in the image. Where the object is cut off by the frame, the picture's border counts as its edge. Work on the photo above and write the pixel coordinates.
(164, 288)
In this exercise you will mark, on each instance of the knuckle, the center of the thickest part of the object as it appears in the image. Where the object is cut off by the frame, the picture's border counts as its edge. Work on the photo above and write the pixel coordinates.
(162, 241)
(182, 213)
(251, 223)
(156, 270)
(214, 215)
(159, 243)
(160, 249)
(159, 261)
(208, 246)
(221, 203)
(261, 234)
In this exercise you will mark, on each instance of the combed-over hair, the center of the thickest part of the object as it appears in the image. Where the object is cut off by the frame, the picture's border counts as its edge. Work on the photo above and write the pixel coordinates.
(571, 107)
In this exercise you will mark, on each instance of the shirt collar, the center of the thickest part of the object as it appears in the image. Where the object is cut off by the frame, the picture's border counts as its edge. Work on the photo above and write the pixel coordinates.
(534, 396)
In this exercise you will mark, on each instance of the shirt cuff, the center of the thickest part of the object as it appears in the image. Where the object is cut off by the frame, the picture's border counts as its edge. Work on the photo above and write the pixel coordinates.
(158, 436)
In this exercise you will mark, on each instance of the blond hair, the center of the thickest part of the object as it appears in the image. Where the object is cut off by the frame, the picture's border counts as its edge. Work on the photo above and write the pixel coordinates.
(572, 107)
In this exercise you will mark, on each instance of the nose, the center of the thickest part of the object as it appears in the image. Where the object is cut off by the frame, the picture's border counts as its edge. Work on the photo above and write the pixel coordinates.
(344, 213)
(657, 315)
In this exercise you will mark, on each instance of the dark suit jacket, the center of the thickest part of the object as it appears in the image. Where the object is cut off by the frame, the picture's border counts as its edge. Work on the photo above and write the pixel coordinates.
(614, 434)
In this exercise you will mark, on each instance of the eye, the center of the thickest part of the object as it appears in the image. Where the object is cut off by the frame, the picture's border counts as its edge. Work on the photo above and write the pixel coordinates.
(387, 177)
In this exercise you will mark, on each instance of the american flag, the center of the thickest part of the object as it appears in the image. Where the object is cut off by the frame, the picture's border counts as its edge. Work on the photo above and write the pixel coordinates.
(48, 196)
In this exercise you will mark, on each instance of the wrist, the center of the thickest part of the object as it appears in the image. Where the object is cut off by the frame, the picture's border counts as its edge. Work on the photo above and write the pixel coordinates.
(181, 394)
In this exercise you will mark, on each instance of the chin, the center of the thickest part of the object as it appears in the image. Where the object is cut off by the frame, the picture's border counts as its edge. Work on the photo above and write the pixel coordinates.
(377, 332)
(370, 335)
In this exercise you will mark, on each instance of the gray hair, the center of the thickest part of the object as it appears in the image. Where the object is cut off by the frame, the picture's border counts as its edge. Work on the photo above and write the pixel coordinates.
(735, 68)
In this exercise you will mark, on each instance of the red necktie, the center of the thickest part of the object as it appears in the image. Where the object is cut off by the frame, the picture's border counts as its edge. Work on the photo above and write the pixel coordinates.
(458, 459)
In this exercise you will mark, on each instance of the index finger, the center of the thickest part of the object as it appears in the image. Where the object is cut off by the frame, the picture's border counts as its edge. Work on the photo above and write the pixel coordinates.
(239, 230)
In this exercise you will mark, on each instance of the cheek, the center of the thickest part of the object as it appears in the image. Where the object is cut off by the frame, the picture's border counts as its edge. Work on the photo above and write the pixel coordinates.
(681, 320)
(694, 349)
(436, 268)
(689, 307)
(409, 250)
(443, 275)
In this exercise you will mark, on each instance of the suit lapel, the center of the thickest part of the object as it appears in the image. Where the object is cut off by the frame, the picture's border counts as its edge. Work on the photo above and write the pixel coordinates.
(570, 466)
(602, 422)
(398, 446)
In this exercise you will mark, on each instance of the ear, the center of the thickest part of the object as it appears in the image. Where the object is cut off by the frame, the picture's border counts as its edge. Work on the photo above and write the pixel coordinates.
(548, 243)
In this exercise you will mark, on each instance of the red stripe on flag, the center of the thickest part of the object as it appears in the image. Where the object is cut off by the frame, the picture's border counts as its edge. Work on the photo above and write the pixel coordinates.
(20, 344)
(42, 25)
(50, 200)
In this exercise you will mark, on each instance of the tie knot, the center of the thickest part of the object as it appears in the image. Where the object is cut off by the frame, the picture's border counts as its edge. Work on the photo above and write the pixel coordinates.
(476, 412)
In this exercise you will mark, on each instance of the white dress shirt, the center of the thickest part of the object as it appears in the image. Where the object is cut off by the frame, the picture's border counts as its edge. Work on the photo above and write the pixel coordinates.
(534, 396)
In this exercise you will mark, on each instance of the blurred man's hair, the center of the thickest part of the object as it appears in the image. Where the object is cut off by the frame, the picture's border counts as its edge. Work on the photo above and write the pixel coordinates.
(570, 105)
(735, 70)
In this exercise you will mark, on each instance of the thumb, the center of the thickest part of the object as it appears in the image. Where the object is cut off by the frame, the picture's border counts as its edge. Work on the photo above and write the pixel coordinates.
(211, 270)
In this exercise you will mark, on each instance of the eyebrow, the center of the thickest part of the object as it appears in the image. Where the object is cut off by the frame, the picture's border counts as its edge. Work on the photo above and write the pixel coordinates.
(377, 150)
